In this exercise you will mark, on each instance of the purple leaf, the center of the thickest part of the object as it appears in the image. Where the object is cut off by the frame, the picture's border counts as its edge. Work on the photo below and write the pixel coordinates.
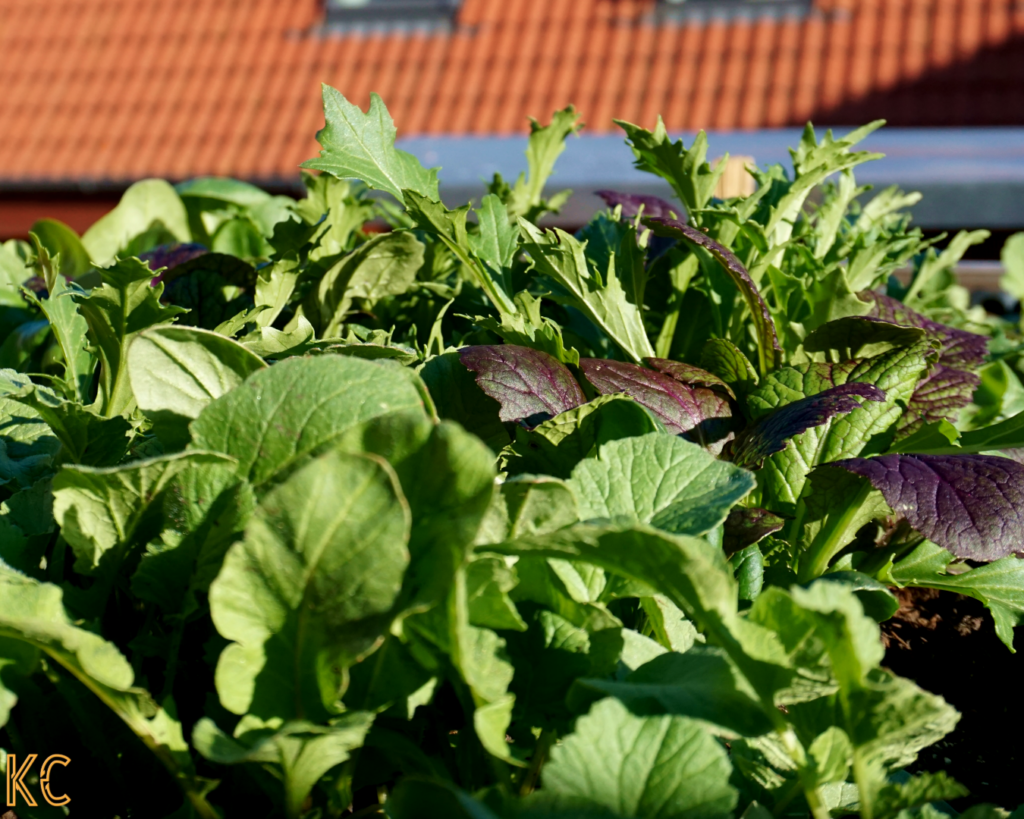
(768, 338)
(770, 433)
(530, 386)
(689, 374)
(703, 414)
(748, 525)
(939, 396)
(970, 505)
(960, 348)
(633, 202)
(170, 256)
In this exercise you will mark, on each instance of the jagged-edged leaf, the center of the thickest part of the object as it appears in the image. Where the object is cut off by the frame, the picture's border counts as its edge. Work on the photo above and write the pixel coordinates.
(70, 329)
(556, 446)
(283, 413)
(151, 206)
(661, 480)
(635, 203)
(703, 414)
(999, 585)
(771, 433)
(748, 525)
(531, 386)
(610, 298)
(385, 265)
(768, 340)
(860, 337)
(362, 146)
(86, 438)
(309, 589)
(639, 766)
(176, 371)
(27, 444)
(972, 505)
(700, 684)
(528, 328)
(689, 374)
(124, 305)
(60, 240)
(545, 144)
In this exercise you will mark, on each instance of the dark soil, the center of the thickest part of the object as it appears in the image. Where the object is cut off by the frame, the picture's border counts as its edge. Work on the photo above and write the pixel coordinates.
(947, 644)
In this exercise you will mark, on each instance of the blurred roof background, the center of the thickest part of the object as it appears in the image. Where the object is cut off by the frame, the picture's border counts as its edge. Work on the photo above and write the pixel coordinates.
(99, 93)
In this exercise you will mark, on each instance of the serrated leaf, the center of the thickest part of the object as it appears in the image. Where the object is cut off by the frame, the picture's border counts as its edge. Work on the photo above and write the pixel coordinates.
(70, 329)
(124, 305)
(362, 146)
(634, 204)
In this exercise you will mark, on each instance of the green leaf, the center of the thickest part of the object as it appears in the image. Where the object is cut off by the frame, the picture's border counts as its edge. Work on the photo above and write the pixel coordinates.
(145, 205)
(938, 440)
(309, 590)
(545, 145)
(1013, 262)
(99, 510)
(488, 581)
(61, 241)
(205, 509)
(70, 329)
(917, 790)
(497, 239)
(280, 415)
(724, 359)
(441, 798)
(528, 505)
(865, 431)
(603, 296)
(638, 767)
(685, 169)
(176, 371)
(658, 479)
(86, 438)
(384, 266)
(557, 445)
(700, 684)
(27, 445)
(303, 751)
(362, 146)
(459, 398)
(124, 305)
(999, 585)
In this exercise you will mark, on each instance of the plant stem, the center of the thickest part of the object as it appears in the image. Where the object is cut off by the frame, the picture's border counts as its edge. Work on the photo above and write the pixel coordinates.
(830, 539)
(540, 754)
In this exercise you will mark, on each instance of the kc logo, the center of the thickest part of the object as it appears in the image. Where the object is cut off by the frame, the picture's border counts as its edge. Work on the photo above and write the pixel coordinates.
(16, 780)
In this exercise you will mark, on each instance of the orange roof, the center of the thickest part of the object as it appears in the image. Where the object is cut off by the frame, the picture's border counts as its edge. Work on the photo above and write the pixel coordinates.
(107, 91)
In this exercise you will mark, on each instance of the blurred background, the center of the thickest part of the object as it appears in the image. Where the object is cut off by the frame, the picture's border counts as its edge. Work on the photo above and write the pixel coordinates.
(97, 94)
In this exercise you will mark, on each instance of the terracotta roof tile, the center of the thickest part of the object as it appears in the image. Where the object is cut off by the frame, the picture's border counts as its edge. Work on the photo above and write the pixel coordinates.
(114, 90)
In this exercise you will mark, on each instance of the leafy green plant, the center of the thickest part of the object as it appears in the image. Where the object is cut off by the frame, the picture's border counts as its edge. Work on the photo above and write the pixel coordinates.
(470, 517)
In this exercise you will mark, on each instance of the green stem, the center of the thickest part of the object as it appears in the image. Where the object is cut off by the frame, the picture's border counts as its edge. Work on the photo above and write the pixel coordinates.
(540, 754)
(830, 539)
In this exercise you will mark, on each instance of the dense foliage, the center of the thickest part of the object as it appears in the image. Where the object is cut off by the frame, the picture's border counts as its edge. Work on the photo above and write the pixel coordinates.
(359, 503)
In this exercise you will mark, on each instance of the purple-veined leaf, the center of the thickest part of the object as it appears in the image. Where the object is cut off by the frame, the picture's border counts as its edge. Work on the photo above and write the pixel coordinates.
(960, 348)
(530, 386)
(704, 415)
(748, 525)
(689, 374)
(770, 433)
(970, 505)
(632, 203)
(939, 396)
(768, 338)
